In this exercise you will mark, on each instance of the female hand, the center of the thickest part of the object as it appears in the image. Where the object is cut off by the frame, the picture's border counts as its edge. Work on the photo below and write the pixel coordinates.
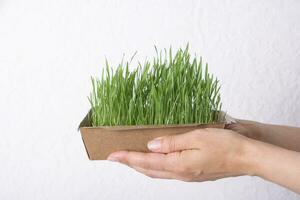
(199, 155)
(210, 154)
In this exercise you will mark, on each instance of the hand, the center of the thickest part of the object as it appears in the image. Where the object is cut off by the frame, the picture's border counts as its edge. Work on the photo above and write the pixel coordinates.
(278, 135)
(250, 129)
(199, 155)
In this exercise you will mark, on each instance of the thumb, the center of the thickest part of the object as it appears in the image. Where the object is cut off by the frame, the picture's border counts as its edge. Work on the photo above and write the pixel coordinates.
(171, 143)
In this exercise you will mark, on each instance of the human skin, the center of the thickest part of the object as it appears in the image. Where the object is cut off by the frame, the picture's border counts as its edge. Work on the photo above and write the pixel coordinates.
(279, 135)
(244, 148)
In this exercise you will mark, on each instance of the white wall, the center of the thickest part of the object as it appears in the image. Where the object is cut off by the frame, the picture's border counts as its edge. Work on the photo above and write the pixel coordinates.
(50, 48)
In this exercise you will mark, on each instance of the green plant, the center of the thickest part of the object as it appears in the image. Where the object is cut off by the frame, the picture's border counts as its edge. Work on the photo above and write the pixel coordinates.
(168, 90)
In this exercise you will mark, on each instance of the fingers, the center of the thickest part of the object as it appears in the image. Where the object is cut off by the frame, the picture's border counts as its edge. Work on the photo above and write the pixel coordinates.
(194, 156)
(172, 143)
(154, 165)
(156, 173)
(149, 161)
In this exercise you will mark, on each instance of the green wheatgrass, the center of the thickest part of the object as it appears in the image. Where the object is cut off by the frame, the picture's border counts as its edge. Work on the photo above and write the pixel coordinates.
(169, 89)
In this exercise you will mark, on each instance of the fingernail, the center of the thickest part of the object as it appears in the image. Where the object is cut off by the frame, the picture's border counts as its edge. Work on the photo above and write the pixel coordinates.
(154, 145)
(113, 158)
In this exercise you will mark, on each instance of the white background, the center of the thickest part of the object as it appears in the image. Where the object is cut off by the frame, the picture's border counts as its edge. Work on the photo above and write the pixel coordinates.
(50, 48)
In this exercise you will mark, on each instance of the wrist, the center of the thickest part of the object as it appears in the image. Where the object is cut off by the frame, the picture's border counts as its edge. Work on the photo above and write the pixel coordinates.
(250, 158)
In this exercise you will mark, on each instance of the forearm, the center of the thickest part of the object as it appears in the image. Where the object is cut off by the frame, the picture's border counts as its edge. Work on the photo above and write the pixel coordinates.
(275, 164)
(283, 136)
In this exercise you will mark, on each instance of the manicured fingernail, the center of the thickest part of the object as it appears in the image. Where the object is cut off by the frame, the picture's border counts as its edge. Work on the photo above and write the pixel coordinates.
(154, 145)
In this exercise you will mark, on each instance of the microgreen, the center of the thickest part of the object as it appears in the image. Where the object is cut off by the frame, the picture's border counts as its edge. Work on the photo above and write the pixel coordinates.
(169, 89)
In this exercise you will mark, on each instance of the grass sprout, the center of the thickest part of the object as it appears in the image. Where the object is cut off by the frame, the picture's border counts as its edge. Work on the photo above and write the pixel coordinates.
(169, 89)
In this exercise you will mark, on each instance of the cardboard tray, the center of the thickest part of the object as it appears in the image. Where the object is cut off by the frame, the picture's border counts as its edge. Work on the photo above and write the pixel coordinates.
(103, 140)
